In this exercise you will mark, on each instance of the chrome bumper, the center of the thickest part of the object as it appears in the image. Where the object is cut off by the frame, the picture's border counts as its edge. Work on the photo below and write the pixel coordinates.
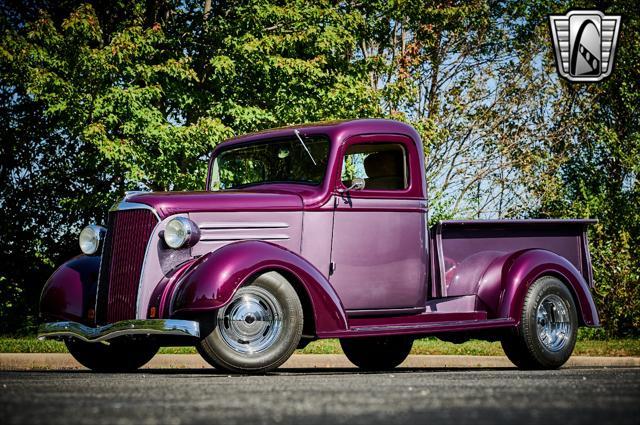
(113, 330)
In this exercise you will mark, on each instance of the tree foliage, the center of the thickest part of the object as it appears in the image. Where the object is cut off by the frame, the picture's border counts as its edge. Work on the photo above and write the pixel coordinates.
(100, 97)
(599, 176)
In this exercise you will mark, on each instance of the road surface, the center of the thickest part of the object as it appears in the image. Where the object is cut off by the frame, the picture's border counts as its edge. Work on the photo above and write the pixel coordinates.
(324, 396)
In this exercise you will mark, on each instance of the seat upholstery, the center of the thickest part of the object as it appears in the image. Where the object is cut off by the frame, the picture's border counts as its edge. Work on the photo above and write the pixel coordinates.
(385, 170)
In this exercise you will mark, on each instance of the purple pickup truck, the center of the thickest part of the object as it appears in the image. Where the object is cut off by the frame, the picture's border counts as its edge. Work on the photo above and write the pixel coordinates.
(310, 232)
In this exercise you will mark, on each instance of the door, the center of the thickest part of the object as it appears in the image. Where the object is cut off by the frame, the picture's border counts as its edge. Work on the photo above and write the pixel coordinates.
(378, 250)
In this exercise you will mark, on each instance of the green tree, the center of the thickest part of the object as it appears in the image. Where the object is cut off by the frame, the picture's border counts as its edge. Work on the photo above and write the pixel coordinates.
(99, 97)
(600, 173)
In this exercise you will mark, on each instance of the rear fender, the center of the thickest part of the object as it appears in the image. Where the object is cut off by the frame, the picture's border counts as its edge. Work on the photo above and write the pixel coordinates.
(524, 268)
(70, 292)
(212, 280)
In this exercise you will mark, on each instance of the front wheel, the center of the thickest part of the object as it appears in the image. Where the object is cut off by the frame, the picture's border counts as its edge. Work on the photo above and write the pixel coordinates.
(377, 353)
(548, 327)
(258, 329)
(119, 355)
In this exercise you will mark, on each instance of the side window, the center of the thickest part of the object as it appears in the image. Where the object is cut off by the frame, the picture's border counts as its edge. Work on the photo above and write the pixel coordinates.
(383, 166)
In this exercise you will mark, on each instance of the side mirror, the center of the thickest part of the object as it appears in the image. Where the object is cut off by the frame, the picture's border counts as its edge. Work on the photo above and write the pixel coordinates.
(356, 184)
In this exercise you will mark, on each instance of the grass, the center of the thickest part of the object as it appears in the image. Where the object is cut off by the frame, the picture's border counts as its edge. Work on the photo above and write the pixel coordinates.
(30, 345)
(611, 347)
(433, 346)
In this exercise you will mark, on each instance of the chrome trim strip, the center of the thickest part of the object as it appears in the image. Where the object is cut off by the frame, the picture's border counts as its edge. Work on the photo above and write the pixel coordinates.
(243, 225)
(229, 238)
(124, 205)
(144, 265)
(123, 328)
(128, 193)
(95, 304)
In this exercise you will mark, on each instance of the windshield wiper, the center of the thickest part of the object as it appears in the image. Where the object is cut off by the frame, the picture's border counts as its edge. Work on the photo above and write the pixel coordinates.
(295, 130)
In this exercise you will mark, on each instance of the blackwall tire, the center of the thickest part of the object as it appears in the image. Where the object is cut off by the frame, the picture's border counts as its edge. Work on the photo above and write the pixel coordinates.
(377, 353)
(119, 355)
(258, 330)
(548, 327)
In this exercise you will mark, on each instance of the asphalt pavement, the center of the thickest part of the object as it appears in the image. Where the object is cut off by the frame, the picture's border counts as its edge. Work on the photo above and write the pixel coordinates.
(414, 396)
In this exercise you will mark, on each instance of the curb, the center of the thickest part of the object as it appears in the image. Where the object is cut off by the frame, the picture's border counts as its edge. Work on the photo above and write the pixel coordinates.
(63, 361)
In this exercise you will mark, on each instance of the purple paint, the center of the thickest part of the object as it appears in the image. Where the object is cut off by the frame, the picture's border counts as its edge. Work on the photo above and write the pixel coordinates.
(70, 293)
(171, 203)
(364, 261)
(212, 280)
(381, 249)
(533, 264)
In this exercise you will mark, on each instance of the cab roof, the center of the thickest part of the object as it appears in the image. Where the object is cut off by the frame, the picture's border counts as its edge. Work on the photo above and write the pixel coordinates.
(337, 131)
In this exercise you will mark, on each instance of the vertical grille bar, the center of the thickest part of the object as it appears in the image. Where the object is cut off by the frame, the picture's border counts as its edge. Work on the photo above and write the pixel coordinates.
(122, 260)
(105, 265)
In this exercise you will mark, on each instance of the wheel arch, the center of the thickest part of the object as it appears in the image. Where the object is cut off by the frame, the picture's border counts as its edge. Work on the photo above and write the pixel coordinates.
(308, 311)
(572, 290)
(212, 280)
(531, 265)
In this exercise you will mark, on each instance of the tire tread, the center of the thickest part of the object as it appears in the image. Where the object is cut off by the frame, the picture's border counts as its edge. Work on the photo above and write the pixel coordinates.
(522, 346)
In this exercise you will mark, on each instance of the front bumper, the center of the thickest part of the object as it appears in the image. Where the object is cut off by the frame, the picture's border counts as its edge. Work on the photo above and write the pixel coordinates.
(124, 328)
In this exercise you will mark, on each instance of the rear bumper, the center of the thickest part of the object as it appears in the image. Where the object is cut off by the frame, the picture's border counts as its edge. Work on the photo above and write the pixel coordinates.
(124, 328)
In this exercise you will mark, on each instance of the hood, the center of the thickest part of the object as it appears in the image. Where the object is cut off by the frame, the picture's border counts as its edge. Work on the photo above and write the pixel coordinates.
(169, 203)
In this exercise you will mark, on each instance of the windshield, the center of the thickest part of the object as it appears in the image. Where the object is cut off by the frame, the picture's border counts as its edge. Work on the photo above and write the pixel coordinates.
(274, 161)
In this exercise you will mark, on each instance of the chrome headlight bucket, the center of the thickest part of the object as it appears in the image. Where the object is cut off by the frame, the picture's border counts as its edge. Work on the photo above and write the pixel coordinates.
(181, 232)
(90, 239)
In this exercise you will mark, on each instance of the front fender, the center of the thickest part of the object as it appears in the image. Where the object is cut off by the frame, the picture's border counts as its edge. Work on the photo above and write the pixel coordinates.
(212, 280)
(70, 292)
(535, 263)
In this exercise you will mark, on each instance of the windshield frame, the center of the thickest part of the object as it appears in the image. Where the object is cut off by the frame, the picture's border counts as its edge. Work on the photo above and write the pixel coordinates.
(225, 146)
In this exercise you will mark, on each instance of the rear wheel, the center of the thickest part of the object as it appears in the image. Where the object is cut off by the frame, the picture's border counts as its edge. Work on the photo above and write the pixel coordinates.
(118, 355)
(258, 329)
(377, 353)
(548, 327)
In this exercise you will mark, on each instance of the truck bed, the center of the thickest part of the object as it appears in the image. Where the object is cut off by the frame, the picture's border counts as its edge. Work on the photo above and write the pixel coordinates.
(462, 250)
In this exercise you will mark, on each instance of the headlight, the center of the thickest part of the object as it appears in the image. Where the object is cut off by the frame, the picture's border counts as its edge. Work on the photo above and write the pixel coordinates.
(90, 238)
(181, 232)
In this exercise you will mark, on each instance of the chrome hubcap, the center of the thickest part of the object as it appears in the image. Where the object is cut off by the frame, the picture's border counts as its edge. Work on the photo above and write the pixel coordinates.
(252, 321)
(553, 323)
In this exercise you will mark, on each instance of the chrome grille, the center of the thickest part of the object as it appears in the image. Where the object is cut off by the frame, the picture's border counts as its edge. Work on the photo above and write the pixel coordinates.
(123, 254)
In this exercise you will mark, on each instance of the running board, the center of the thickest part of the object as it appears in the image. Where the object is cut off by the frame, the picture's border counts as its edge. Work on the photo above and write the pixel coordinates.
(420, 328)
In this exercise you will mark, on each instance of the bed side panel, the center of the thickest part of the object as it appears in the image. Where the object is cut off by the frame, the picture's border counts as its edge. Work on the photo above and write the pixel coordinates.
(465, 250)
